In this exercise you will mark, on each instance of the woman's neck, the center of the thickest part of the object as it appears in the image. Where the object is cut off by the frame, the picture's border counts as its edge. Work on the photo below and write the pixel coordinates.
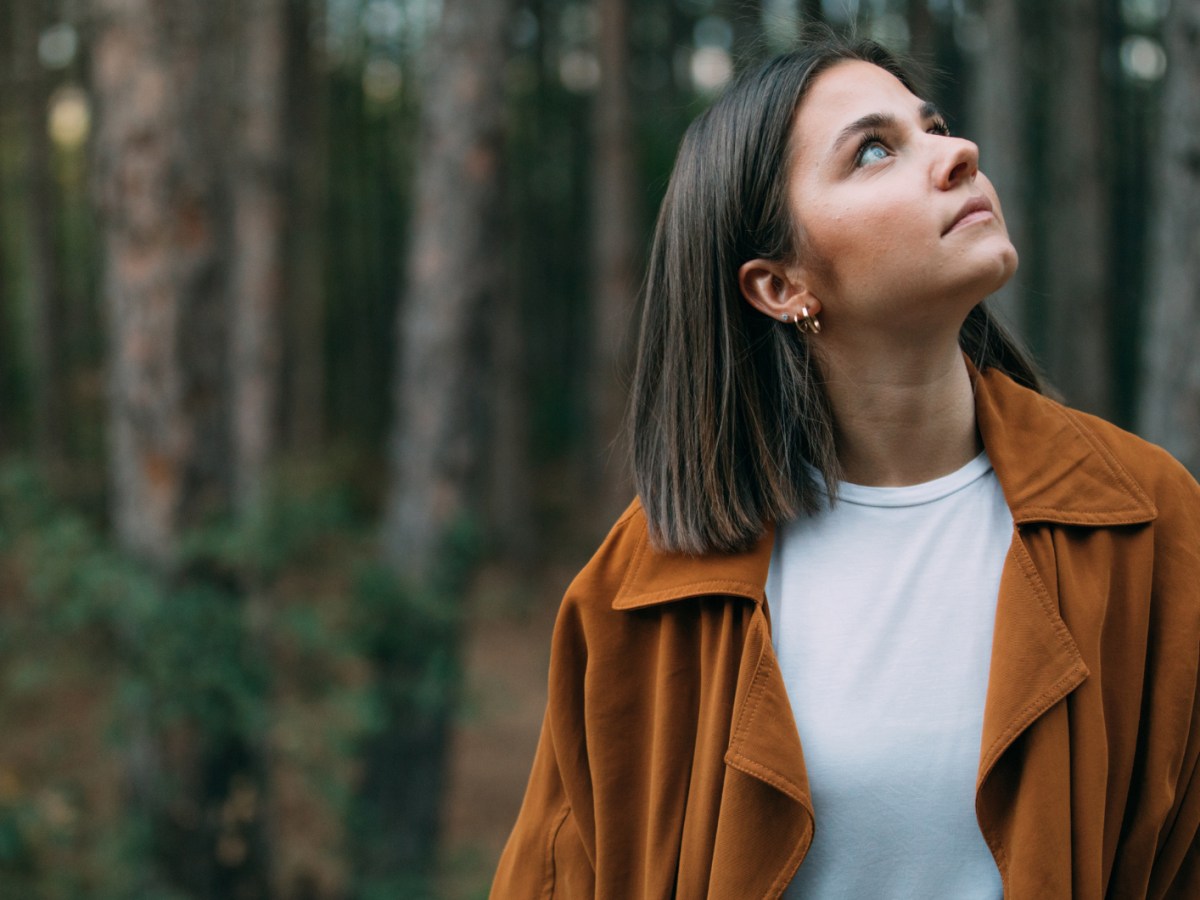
(902, 417)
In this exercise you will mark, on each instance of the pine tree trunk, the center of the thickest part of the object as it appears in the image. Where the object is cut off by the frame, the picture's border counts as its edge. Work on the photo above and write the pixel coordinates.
(46, 349)
(8, 80)
(1170, 395)
(164, 78)
(257, 276)
(160, 80)
(304, 312)
(509, 479)
(452, 268)
(451, 297)
(1078, 355)
(614, 236)
(922, 30)
(1002, 123)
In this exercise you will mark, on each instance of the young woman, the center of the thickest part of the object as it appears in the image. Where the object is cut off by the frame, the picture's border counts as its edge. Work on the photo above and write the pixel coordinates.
(884, 620)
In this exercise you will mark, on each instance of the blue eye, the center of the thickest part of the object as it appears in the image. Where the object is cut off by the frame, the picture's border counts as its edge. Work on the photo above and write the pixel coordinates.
(871, 150)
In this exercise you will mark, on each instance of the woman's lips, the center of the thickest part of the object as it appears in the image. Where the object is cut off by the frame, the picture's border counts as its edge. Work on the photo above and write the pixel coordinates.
(976, 209)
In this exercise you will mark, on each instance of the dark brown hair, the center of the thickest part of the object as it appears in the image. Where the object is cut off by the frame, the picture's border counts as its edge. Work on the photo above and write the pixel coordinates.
(728, 415)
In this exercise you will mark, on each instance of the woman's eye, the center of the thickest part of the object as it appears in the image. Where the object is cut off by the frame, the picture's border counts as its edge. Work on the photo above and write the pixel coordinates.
(872, 152)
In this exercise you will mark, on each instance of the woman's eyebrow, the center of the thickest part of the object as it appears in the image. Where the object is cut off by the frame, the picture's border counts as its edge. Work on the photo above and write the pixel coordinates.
(882, 121)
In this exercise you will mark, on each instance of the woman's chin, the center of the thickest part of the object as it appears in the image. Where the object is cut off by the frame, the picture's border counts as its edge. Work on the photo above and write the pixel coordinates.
(999, 270)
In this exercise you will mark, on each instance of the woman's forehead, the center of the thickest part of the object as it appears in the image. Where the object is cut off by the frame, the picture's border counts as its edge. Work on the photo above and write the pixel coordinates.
(847, 92)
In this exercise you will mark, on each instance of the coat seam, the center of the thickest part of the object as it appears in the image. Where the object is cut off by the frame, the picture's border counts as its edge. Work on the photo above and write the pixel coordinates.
(1026, 515)
(1030, 574)
(790, 867)
(731, 587)
(746, 721)
(631, 572)
(1119, 474)
(1062, 635)
(551, 869)
(770, 776)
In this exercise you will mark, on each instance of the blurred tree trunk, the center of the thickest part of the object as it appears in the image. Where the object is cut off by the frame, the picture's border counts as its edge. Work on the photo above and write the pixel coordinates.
(257, 276)
(7, 289)
(9, 117)
(1170, 394)
(510, 481)
(1002, 123)
(164, 77)
(304, 313)
(451, 297)
(922, 30)
(49, 363)
(614, 235)
(1078, 354)
(160, 76)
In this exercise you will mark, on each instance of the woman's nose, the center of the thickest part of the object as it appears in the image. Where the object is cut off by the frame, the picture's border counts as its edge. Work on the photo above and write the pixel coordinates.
(959, 162)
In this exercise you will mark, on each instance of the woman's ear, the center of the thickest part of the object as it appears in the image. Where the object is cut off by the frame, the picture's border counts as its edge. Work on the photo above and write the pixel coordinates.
(775, 291)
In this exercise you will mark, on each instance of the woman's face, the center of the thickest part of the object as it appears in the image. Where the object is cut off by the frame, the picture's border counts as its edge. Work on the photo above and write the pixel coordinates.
(900, 228)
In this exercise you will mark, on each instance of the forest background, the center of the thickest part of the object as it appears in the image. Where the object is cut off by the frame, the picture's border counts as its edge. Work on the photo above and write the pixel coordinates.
(314, 329)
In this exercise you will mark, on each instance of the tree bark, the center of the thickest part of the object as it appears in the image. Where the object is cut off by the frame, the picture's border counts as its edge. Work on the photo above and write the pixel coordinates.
(304, 312)
(450, 298)
(49, 362)
(164, 76)
(1170, 393)
(159, 76)
(510, 481)
(922, 30)
(1078, 353)
(257, 276)
(614, 236)
(452, 270)
(9, 70)
(1001, 105)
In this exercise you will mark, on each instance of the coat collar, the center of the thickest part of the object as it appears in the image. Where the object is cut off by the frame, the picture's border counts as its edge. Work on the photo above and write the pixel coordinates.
(1073, 479)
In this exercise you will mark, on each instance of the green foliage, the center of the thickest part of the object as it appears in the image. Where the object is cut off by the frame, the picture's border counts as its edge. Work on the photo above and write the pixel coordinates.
(260, 547)
(410, 635)
(277, 634)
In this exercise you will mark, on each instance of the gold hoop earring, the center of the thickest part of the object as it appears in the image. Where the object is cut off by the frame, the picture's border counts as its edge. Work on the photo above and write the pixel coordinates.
(807, 322)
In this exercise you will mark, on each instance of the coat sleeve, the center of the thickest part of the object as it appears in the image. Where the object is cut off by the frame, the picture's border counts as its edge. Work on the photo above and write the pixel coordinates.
(546, 853)
(1177, 868)
(544, 856)
(1176, 872)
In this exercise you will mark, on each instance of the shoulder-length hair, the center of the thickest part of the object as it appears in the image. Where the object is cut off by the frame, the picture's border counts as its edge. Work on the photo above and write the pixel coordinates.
(730, 423)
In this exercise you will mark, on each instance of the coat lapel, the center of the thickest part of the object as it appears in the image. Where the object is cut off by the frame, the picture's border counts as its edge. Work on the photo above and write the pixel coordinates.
(765, 812)
(1035, 661)
(765, 776)
(1070, 479)
(1053, 470)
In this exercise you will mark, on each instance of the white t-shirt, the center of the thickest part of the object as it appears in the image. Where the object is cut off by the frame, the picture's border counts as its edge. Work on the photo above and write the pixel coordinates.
(882, 613)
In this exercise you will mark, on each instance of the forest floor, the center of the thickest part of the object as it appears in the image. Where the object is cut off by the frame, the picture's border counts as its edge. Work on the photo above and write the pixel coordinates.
(507, 654)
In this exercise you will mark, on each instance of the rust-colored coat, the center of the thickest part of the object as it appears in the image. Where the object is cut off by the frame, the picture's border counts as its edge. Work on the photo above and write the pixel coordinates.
(669, 763)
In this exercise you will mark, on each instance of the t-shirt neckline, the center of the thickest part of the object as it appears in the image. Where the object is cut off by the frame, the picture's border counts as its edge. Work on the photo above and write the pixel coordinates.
(916, 494)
